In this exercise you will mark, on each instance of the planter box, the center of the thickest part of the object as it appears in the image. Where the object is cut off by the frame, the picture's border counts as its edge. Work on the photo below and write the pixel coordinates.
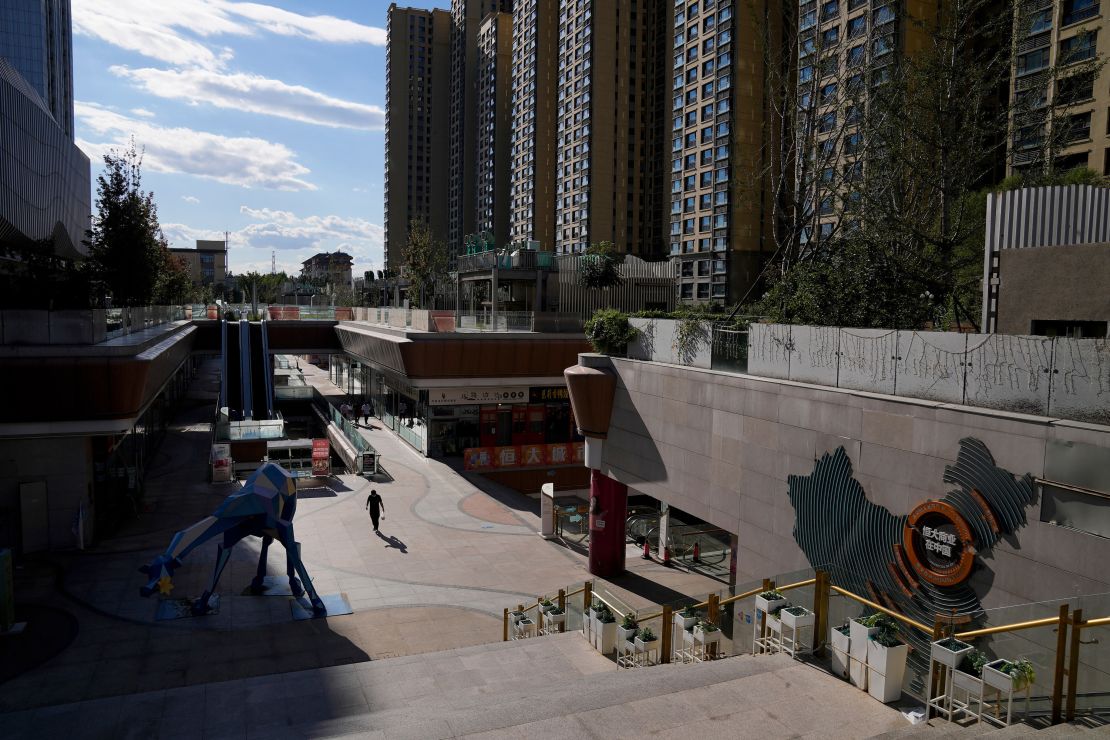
(774, 624)
(685, 623)
(859, 637)
(605, 637)
(707, 638)
(949, 656)
(515, 617)
(643, 646)
(1001, 680)
(886, 667)
(626, 635)
(555, 619)
(967, 682)
(797, 621)
(840, 644)
(525, 627)
(767, 607)
(548, 609)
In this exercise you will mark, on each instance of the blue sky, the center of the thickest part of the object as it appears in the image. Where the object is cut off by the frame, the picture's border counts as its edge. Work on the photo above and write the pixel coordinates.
(263, 120)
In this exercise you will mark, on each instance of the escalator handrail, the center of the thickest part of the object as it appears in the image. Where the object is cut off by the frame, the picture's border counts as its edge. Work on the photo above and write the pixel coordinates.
(245, 368)
(223, 360)
(267, 371)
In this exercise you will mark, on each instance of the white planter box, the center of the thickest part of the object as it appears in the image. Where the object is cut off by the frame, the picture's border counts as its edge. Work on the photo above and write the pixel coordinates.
(707, 638)
(938, 653)
(525, 627)
(605, 639)
(766, 606)
(685, 623)
(886, 667)
(515, 617)
(797, 621)
(626, 635)
(995, 678)
(774, 624)
(548, 609)
(967, 682)
(554, 619)
(645, 646)
(859, 637)
(840, 644)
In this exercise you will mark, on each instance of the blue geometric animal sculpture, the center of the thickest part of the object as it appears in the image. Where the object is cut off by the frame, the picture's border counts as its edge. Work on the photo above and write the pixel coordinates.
(263, 507)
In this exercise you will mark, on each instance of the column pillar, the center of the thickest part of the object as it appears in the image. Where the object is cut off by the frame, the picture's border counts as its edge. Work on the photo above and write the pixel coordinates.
(664, 530)
(608, 510)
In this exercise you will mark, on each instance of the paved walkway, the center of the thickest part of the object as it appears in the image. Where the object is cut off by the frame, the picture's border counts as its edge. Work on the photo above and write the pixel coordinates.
(447, 562)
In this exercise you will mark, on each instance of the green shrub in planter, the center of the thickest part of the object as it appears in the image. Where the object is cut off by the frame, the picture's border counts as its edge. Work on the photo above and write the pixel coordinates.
(629, 622)
(646, 635)
(706, 626)
(609, 331)
(973, 663)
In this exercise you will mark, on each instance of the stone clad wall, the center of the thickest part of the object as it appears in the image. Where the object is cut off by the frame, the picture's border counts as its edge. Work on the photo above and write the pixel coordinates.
(721, 446)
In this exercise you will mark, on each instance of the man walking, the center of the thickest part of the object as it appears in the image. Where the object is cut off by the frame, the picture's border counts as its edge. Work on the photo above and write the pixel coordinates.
(376, 507)
(366, 413)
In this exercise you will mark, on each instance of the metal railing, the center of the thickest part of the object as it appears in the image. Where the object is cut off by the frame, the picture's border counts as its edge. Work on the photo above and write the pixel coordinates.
(503, 321)
(1074, 677)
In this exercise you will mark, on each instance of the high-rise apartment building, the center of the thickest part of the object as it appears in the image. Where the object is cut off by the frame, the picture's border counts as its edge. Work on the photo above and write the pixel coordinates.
(721, 138)
(36, 39)
(494, 135)
(466, 17)
(609, 181)
(535, 67)
(1064, 94)
(417, 128)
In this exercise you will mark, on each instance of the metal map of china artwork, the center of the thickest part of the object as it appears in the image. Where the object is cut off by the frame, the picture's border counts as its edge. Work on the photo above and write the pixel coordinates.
(918, 564)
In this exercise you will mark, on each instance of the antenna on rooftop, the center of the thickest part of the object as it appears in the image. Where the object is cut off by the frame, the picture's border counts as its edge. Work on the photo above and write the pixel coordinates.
(273, 262)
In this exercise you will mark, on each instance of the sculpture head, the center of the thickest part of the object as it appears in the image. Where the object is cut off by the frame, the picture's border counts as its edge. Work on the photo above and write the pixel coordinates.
(160, 571)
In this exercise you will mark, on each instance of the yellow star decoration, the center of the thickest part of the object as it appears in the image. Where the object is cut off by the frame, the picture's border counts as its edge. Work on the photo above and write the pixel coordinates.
(165, 585)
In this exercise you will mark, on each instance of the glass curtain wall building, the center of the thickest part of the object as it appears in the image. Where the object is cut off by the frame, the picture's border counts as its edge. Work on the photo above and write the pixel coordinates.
(36, 39)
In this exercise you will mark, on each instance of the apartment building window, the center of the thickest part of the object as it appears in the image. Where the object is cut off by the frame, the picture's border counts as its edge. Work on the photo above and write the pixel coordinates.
(857, 26)
(830, 10)
(808, 20)
(1040, 21)
(807, 46)
(826, 123)
(1078, 48)
(688, 269)
(1076, 88)
(1075, 11)
(855, 56)
(1078, 127)
(1032, 61)
(853, 4)
(686, 290)
(831, 37)
(703, 291)
(882, 15)
(827, 94)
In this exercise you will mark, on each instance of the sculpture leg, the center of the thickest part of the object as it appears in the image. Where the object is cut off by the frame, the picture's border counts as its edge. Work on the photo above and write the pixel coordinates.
(257, 586)
(294, 549)
(223, 554)
(291, 571)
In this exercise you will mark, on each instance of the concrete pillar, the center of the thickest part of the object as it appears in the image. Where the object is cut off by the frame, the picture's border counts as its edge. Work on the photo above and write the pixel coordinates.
(608, 510)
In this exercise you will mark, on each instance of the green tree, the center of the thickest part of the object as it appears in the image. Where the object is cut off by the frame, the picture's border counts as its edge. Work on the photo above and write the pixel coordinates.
(127, 250)
(599, 266)
(425, 262)
(33, 276)
(174, 284)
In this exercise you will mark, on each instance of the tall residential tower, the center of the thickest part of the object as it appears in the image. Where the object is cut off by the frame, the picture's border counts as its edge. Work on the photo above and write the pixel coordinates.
(494, 136)
(417, 128)
(36, 39)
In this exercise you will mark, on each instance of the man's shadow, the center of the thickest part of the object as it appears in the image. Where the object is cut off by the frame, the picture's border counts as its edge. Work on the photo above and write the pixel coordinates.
(392, 541)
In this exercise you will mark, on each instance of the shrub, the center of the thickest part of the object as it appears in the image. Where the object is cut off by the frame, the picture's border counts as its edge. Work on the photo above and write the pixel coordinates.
(609, 331)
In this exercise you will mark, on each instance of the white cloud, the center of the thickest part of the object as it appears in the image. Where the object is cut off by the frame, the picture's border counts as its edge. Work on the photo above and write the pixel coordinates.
(294, 238)
(255, 94)
(143, 112)
(245, 161)
(190, 199)
(168, 30)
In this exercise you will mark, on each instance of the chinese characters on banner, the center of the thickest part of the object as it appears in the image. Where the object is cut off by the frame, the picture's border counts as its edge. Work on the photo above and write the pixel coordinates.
(524, 456)
(321, 458)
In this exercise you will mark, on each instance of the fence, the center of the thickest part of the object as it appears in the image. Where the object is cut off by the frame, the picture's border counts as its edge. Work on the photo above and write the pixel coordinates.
(504, 321)
(88, 326)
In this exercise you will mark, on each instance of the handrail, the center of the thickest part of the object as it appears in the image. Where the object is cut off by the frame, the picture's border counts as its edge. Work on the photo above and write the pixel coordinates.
(744, 595)
(881, 608)
(611, 607)
(1007, 628)
(1099, 622)
(799, 584)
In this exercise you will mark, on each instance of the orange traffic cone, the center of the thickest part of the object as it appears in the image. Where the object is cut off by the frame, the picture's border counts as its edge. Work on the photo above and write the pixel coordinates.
(697, 552)
(647, 550)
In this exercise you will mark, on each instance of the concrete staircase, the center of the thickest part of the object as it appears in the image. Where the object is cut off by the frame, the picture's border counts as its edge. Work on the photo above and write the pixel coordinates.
(552, 687)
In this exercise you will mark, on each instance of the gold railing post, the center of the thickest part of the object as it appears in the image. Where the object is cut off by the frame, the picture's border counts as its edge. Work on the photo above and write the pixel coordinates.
(1073, 663)
(563, 607)
(1058, 677)
(768, 584)
(505, 626)
(666, 633)
(820, 612)
(587, 595)
(539, 615)
(713, 616)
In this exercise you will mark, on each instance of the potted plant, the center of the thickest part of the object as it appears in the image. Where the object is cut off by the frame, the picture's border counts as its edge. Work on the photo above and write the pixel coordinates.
(774, 618)
(796, 617)
(516, 615)
(769, 601)
(686, 618)
(968, 675)
(886, 660)
(556, 616)
(605, 632)
(1009, 676)
(708, 634)
(525, 627)
(546, 605)
(840, 641)
(627, 630)
(644, 638)
(860, 632)
(949, 651)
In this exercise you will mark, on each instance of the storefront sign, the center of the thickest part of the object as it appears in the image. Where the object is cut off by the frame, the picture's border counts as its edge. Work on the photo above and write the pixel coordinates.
(938, 543)
(463, 396)
(546, 393)
(221, 462)
(524, 456)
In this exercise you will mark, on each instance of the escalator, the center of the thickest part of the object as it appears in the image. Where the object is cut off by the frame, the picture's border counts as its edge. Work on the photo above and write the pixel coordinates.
(246, 385)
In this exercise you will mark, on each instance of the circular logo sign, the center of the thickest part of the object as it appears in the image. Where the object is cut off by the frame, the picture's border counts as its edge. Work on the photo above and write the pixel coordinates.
(939, 543)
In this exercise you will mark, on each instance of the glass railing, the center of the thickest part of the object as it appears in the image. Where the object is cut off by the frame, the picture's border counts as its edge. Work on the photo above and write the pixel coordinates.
(503, 321)
(414, 435)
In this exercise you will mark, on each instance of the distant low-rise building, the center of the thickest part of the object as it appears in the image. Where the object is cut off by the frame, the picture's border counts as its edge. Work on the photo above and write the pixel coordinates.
(331, 267)
(1046, 262)
(207, 264)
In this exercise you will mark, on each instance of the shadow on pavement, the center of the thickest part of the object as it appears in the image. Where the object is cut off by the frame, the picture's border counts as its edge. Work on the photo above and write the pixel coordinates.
(393, 542)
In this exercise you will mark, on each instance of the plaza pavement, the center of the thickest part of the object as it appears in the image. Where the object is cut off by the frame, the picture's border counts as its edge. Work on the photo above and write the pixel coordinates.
(450, 558)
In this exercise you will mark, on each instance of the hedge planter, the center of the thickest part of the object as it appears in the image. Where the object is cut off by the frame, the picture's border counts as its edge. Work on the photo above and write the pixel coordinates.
(859, 636)
(840, 642)
(949, 651)
(886, 668)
